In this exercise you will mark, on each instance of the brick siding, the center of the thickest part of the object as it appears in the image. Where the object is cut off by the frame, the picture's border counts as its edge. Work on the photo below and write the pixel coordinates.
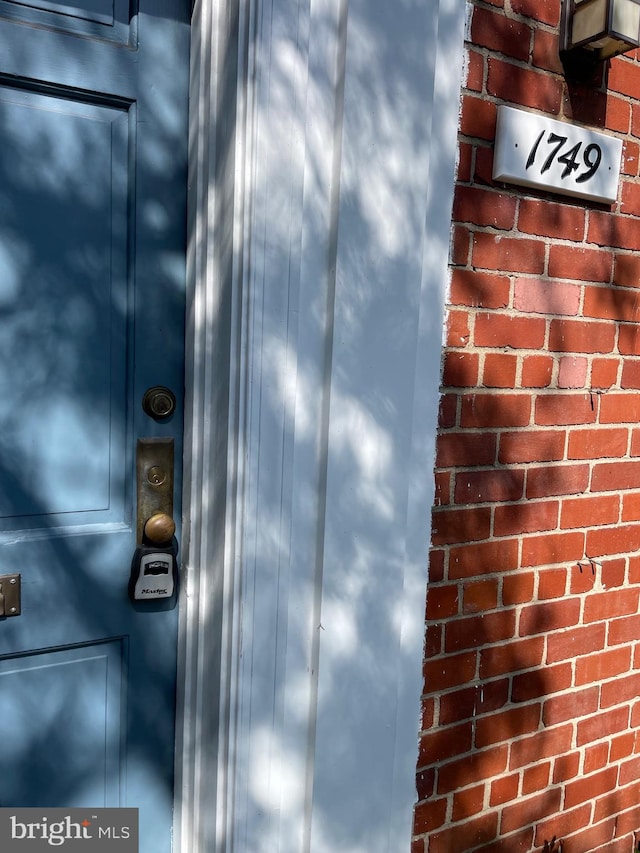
(531, 707)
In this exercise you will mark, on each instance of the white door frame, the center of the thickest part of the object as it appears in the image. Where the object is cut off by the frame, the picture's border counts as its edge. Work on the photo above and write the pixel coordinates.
(232, 124)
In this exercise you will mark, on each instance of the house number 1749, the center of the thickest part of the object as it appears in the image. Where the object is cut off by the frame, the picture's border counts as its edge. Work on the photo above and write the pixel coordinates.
(555, 150)
(535, 150)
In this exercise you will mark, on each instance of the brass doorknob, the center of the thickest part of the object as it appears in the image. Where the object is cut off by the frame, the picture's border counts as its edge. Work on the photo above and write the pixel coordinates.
(159, 529)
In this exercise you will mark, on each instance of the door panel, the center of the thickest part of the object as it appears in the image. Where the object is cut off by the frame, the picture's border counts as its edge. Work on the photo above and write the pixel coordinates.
(80, 721)
(92, 252)
(63, 278)
(113, 20)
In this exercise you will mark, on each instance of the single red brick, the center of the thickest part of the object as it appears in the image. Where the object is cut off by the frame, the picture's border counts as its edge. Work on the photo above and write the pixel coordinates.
(460, 369)
(629, 771)
(570, 706)
(618, 232)
(517, 588)
(511, 657)
(478, 117)
(624, 78)
(590, 511)
(581, 790)
(484, 486)
(612, 303)
(620, 539)
(630, 201)
(557, 480)
(610, 604)
(524, 86)
(433, 640)
(495, 410)
(536, 778)
(483, 173)
(475, 71)
(552, 583)
(465, 449)
(545, 52)
(452, 671)
(536, 371)
(565, 767)
(630, 158)
(621, 747)
(501, 34)
(508, 254)
(620, 690)
(479, 596)
(458, 333)
(624, 630)
(504, 790)
(499, 370)
(583, 577)
(604, 372)
(618, 116)
(525, 518)
(442, 601)
(448, 411)
(549, 219)
(567, 645)
(484, 207)
(575, 262)
(442, 496)
(627, 270)
(550, 616)
(630, 375)
(530, 446)
(565, 409)
(572, 372)
(429, 815)
(619, 408)
(577, 336)
(483, 558)
(479, 290)
(604, 665)
(597, 443)
(499, 330)
(543, 296)
(628, 339)
(460, 245)
(614, 476)
(468, 802)
(460, 525)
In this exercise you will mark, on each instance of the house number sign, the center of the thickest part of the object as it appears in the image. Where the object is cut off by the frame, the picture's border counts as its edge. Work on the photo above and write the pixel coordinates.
(536, 151)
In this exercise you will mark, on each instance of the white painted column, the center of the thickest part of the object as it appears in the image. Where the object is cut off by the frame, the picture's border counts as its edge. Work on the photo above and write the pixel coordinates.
(323, 149)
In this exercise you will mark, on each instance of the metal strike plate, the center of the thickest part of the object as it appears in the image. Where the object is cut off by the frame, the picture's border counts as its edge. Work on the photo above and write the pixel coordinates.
(10, 595)
(154, 476)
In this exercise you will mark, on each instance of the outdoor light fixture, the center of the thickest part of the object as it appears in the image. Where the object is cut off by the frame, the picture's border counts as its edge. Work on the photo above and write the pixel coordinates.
(600, 28)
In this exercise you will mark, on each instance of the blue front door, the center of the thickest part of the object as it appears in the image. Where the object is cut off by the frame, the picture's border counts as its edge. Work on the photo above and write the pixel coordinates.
(93, 106)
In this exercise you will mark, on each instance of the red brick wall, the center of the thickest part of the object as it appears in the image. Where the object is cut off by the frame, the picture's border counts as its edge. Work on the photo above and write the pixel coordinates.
(531, 710)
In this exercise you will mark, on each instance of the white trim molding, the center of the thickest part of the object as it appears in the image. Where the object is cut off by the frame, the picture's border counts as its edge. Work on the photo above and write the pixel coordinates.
(322, 154)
